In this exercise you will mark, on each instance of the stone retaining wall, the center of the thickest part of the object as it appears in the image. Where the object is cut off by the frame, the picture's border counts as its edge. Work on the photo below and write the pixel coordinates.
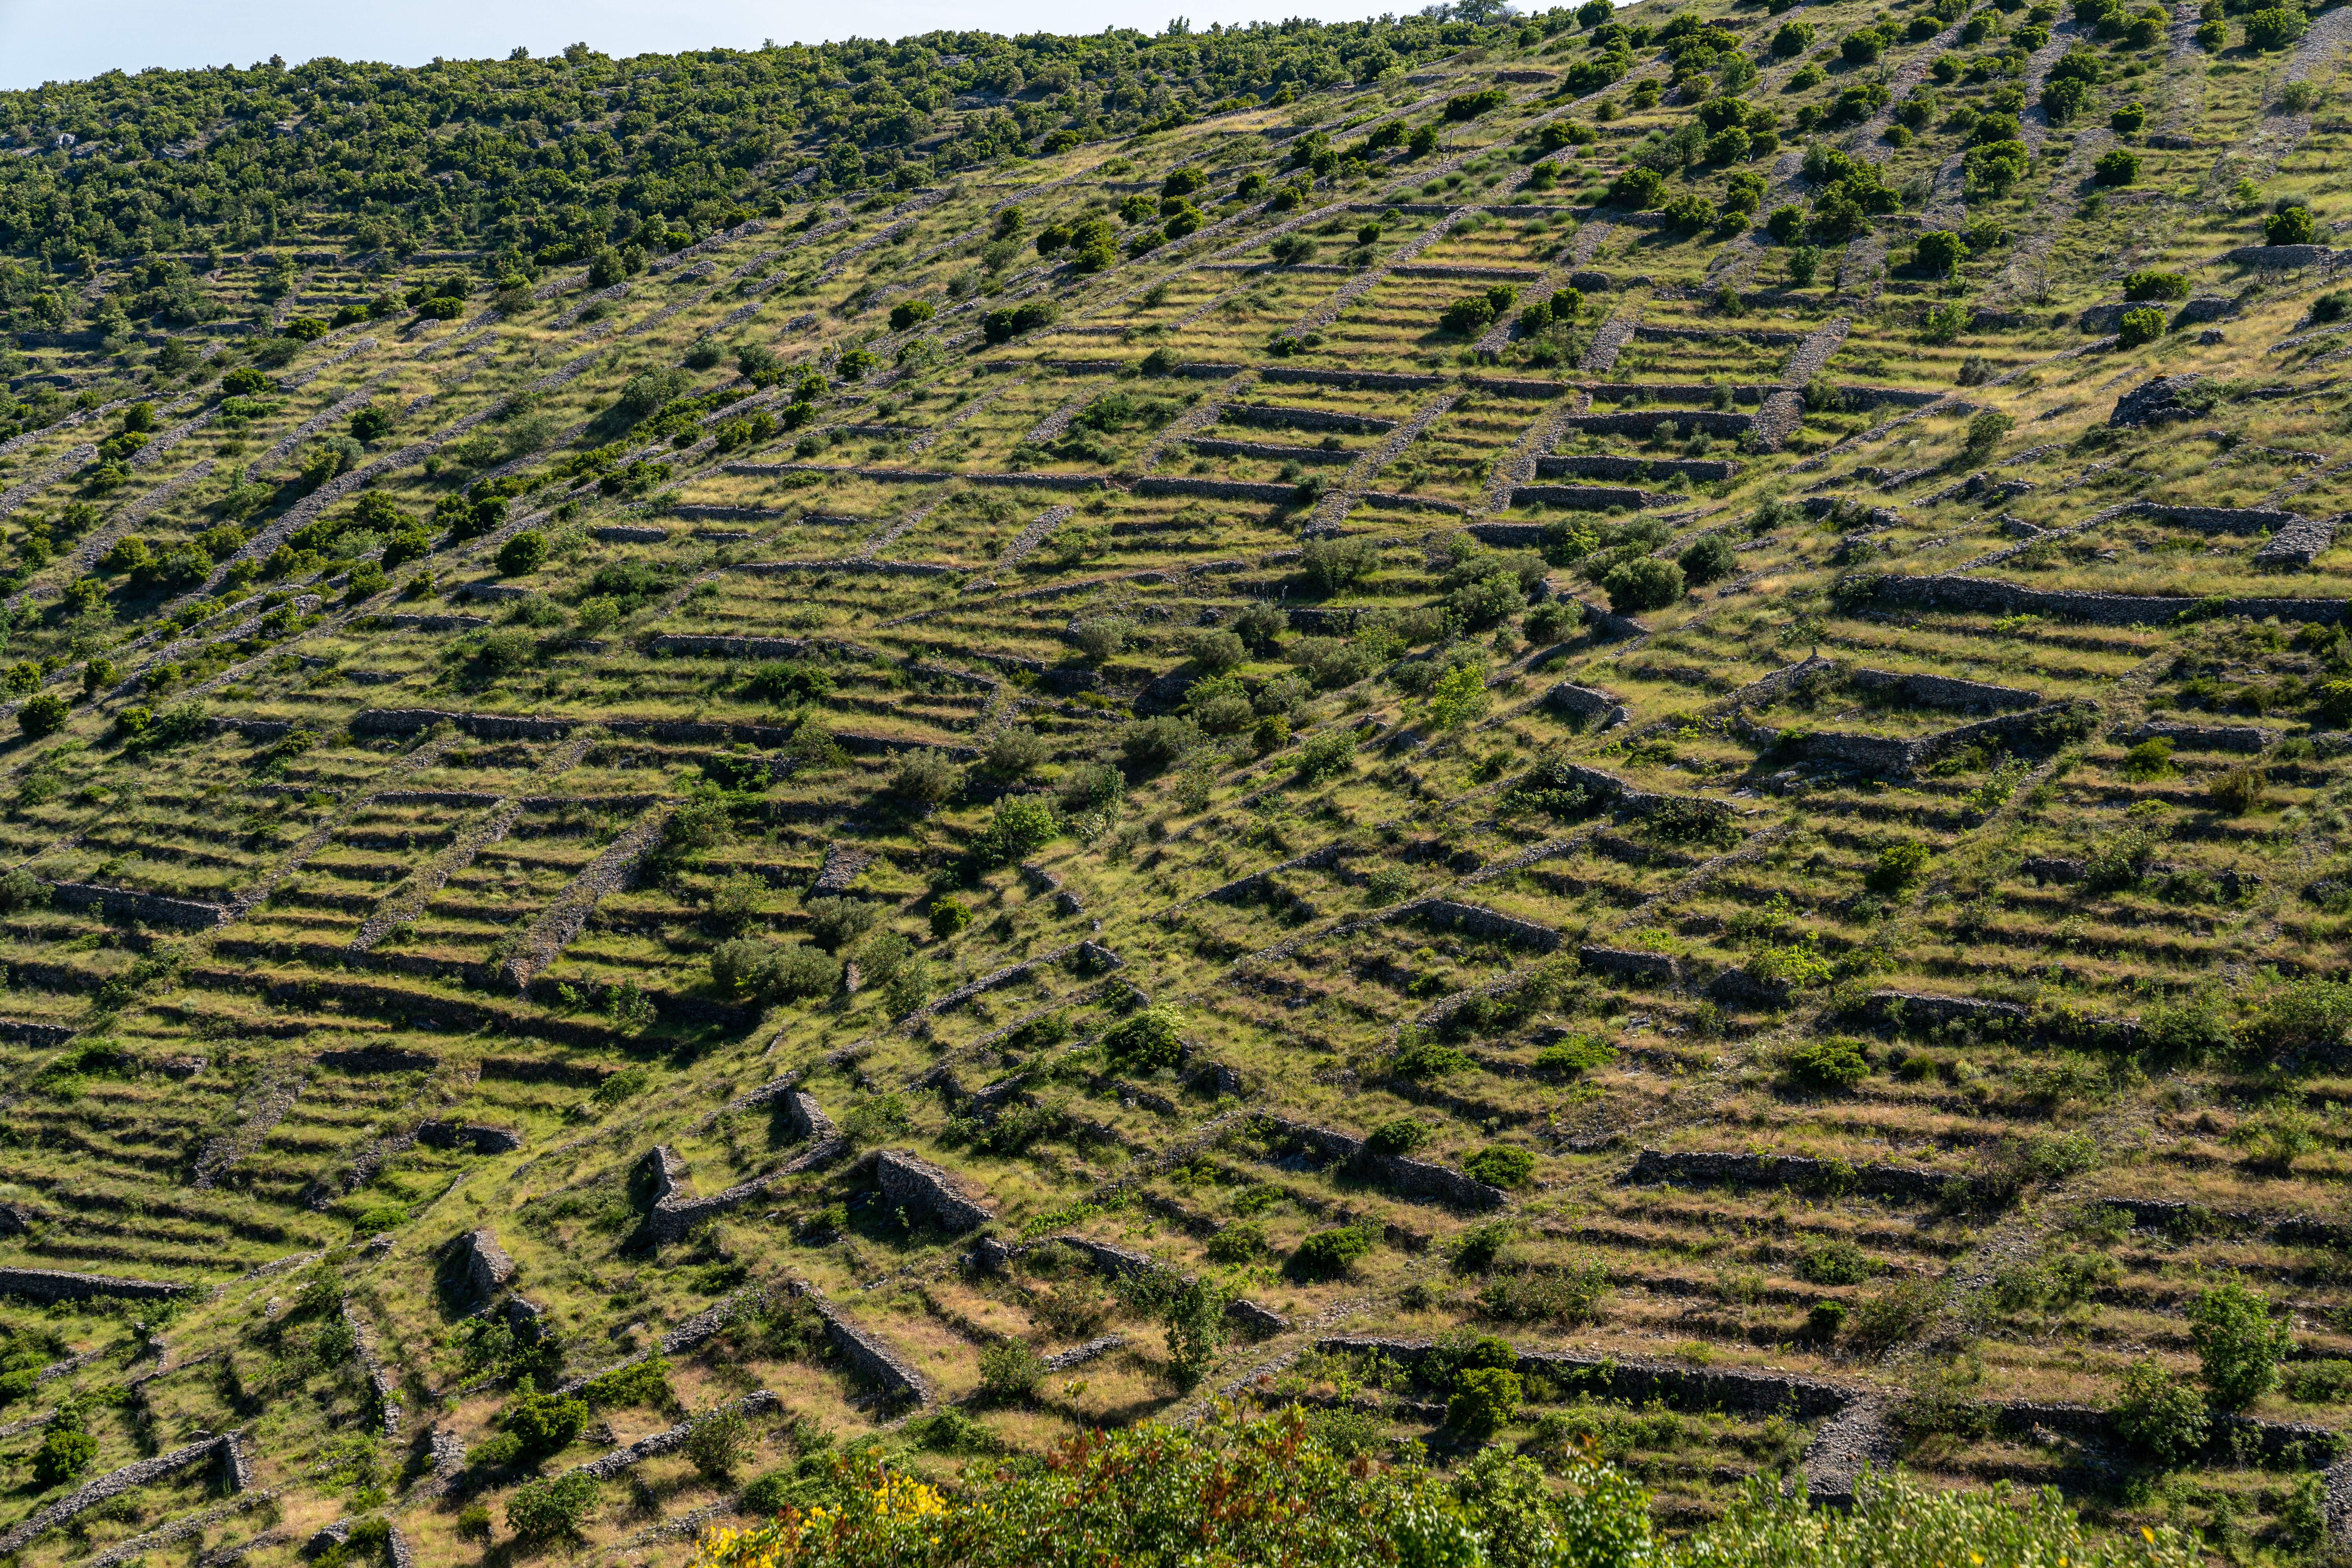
(927, 1192)
(1212, 447)
(108, 1487)
(1585, 497)
(1708, 1169)
(1405, 1177)
(1629, 963)
(1281, 417)
(1220, 489)
(2205, 737)
(1984, 595)
(1943, 691)
(124, 903)
(1642, 426)
(868, 1354)
(54, 1285)
(1889, 1010)
(1698, 469)
(1376, 381)
(605, 1465)
(1479, 921)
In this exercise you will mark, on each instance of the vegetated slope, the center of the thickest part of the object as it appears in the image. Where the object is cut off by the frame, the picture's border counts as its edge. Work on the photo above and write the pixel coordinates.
(1192, 764)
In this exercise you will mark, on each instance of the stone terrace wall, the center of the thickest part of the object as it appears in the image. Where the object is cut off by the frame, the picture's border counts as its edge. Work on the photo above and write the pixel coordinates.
(926, 1192)
(1407, 1178)
(108, 1487)
(866, 1354)
(1943, 691)
(1984, 595)
(123, 903)
(1479, 921)
(51, 1285)
(1708, 1169)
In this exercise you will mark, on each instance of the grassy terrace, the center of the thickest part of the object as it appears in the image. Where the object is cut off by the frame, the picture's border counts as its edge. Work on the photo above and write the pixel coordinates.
(820, 722)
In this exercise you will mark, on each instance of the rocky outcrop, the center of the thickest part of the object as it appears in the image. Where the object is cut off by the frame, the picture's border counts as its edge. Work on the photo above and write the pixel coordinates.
(927, 1193)
(1581, 701)
(2156, 402)
(485, 1264)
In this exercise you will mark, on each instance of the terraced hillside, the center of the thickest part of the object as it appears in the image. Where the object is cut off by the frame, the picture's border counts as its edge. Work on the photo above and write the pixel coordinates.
(1673, 693)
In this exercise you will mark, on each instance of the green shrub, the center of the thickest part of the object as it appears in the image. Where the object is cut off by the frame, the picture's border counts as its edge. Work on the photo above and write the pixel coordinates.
(67, 1452)
(1501, 1165)
(1643, 583)
(639, 1382)
(1146, 1041)
(1896, 1313)
(2325, 1382)
(473, 1523)
(2162, 1417)
(1575, 1055)
(1328, 1253)
(525, 553)
(2137, 327)
(2238, 1342)
(1898, 867)
(1834, 1260)
(2150, 760)
(1484, 1402)
(2148, 283)
(1708, 560)
(2237, 791)
(45, 714)
(1835, 1064)
(1401, 1136)
(1327, 755)
(546, 1510)
(948, 916)
(719, 1442)
(543, 1424)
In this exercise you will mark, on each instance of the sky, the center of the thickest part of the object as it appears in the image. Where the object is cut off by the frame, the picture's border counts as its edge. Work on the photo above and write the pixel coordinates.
(57, 40)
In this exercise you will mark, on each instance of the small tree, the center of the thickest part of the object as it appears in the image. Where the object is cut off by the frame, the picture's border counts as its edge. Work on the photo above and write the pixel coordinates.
(2238, 1343)
(1708, 560)
(1643, 583)
(1196, 1331)
(924, 776)
(1485, 1400)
